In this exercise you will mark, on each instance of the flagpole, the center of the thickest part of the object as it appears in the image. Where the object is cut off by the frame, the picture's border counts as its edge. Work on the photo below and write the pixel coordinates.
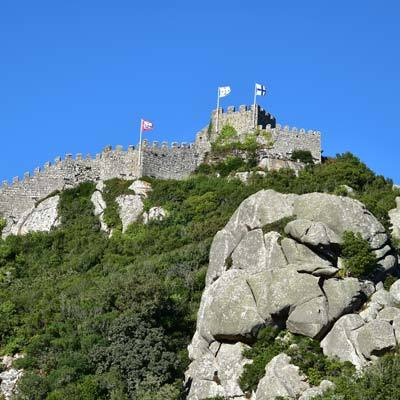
(254, 105)
(140, 146)
(216, 123)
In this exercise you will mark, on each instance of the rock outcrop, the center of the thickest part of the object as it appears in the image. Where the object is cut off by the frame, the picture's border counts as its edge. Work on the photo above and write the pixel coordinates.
(130, 209)
(10, 376)
(394, 216)
(281, 379)
(276, 262)
(41, 218)
(100, 206)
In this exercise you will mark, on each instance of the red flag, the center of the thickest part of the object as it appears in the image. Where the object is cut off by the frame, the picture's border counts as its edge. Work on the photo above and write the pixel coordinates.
(146, 125)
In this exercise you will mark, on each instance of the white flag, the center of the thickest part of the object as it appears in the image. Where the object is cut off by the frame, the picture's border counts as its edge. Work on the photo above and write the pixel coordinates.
(261, 90)
(224, 91)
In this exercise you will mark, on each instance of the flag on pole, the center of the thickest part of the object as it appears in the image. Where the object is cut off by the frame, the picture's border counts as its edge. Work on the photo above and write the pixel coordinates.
(261, 90)
(224, 91)
(146, 125)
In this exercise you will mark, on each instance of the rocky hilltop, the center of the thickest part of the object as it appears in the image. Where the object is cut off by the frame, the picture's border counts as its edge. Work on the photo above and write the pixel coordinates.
(277, 263)
(236, 283)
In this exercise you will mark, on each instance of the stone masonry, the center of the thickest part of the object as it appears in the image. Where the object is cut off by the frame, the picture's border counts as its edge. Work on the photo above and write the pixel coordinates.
(175, 161)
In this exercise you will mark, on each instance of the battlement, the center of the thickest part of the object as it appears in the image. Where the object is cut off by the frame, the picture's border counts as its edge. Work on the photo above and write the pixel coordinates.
(161, 160)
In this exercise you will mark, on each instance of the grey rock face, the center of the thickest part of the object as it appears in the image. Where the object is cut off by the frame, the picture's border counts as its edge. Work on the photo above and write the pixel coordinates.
(383, 297)
(388, 263)
(341, 341)
(228, 309)
(310, 318)
(303, 259)
(395, 291)
(371, 311)
(283, 289)
(394, 216)
(154, 214)
(130, 209)
(396, 327)
(281, 379)
(317, 390)
(312, 233)
(141, 188)
(217, 374)
(256, 279)
(344, 214)
(223, 244)
(389, 314)
(275, 257)
(374, 337)
(42, 218)
(344, 296)
(258, 210)
(9, 376)
(251, 254)
(99, 207)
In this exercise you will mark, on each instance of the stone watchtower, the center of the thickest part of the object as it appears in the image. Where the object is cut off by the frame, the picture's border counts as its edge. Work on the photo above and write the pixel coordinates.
(245, 120)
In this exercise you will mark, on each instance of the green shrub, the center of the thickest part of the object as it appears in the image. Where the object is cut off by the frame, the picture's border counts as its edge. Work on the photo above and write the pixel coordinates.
(263, 351)
(305, 352)
(359, 259)
(3, 224)
(303, 156)
(380, 381)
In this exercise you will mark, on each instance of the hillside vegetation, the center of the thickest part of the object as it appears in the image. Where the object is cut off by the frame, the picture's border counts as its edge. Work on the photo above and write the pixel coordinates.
(110, 318)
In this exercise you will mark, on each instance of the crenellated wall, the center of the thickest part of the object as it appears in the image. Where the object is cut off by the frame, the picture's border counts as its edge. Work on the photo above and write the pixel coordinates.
(175, 161)
(165, 162)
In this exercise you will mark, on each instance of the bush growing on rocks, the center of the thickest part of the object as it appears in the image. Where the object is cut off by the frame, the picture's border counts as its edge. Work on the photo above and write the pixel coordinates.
(359, 259)
(304, 352)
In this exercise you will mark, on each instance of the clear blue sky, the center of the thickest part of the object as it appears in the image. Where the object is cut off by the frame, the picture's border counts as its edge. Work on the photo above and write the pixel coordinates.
(78, 75)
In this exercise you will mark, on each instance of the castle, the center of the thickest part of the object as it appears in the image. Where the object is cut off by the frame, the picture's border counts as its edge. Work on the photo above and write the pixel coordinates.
(177, 161)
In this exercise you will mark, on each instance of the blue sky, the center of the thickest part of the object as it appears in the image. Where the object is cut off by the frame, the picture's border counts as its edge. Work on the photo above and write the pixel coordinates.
(78, 75)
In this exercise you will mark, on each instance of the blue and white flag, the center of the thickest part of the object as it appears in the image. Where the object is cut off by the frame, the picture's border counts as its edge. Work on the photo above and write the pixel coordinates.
(261, 90)
(224, 91)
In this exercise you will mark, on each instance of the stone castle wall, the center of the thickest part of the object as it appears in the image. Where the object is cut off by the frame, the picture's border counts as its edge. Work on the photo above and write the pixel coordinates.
(175, 162)
(163, 162)
(286, 140)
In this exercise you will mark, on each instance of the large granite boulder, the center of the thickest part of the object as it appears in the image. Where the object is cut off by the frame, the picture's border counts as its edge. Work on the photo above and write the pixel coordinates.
(375, 337)
(275, 256)
(228, 309)
(281, 379)
(395, 292)
(310, 318)
(316, 234)
(141, 188)
(280, 291)
(217, 372)
(100, 206)
(341, 214)
(394, 216)
(343, 295)
(305, 260)
(274, 263)
(42, 218)
(341, 341)
(130, 209)
(251, 255)
(257, 211)
(317, 390)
